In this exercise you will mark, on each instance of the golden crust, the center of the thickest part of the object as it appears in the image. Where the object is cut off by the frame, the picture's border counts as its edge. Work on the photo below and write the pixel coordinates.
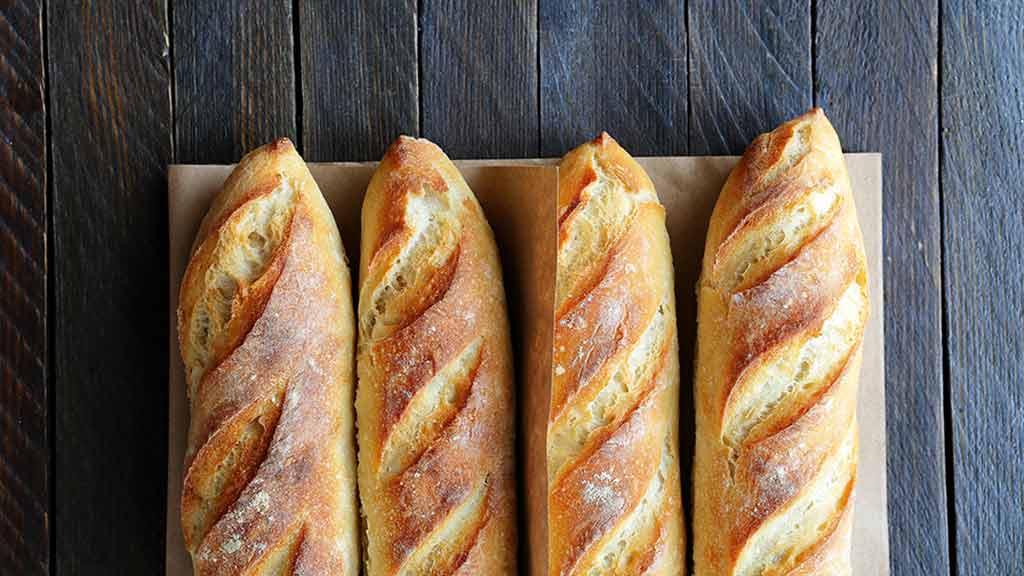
(576, 171)
(782, 304)
(269, 482)
(613, 499)
(829, 555)
(434, 400)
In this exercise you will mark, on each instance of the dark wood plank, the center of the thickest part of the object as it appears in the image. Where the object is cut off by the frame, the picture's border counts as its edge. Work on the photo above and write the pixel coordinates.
(750, 69)
(234, 77)
(860, 49)
(983, 230)
(478, 81)
(359, 80)
(110, 107)
(614, 66)
(24, 442)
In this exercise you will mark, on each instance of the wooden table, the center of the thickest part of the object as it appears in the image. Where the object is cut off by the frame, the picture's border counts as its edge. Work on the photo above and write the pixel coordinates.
(98, 97)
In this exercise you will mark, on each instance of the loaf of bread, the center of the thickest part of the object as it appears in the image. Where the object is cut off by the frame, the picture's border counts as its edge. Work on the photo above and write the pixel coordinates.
(266, 332)
(782, 305)
(612, 456)
(434, 400)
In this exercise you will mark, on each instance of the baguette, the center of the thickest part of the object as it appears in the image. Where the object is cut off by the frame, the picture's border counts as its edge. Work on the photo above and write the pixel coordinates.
(782, 302)
(612, 455)
(266, 333)
(434, 400)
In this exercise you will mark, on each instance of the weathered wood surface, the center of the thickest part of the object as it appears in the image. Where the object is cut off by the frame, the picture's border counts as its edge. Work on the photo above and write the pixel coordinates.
(750, 69)
(983, 229)
(872, 112)
(234, 78)
(127, 82)
(24, 438)
(359, 77)
(598, 74)
(478, 77)
(109, 94)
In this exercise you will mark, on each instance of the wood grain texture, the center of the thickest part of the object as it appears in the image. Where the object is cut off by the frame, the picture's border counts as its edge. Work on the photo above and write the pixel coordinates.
(359, 80)
(110, 106)
(614, 66)
(983, 228)
(750, 70)
(234, 78)
(899, 40)
(478, 77)
(24, 445)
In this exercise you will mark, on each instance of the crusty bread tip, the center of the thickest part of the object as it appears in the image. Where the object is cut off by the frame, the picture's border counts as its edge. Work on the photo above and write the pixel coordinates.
(612, 457)
(434, 399)
(266, 333)
(782, 304)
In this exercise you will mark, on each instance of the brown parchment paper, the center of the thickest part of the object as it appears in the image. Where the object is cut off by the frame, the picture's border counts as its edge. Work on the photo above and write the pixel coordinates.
(519, 199)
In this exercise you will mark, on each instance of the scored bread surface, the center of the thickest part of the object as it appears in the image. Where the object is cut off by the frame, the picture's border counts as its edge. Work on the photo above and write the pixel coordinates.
(434, 400)
(266, 333)
(612, 455)
(782, 305)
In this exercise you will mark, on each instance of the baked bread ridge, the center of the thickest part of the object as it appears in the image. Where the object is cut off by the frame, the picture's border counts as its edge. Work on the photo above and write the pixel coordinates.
(782, 305)
(434, 400)
(614, 504)
(266, 332)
